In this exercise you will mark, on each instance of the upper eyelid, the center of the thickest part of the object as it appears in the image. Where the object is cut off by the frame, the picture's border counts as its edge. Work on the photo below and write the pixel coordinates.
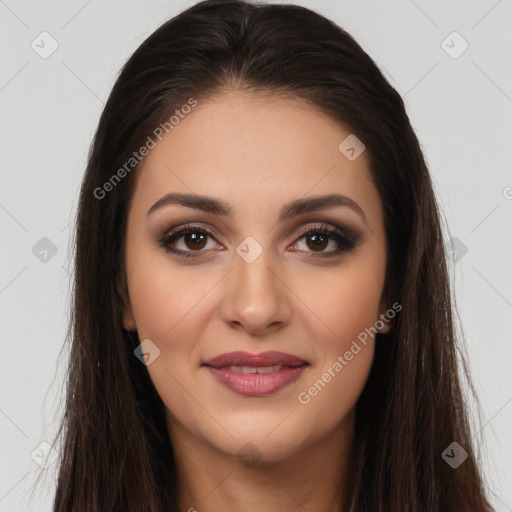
(348, 225)
(211, 230)
(180, 231)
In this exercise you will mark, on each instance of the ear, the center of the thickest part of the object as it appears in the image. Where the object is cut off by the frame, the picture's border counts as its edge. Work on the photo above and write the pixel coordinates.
(383, 318)
(122, 291)
(129, 320)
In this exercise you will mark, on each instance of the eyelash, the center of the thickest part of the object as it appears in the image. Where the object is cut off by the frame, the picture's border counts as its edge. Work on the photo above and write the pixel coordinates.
(345, 240)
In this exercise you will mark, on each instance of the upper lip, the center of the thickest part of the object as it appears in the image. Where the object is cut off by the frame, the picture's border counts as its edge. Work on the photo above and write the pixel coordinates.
(271, 358)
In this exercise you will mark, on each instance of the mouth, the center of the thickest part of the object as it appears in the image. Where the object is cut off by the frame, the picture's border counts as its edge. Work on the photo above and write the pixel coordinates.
(256, 375)
(261, 370)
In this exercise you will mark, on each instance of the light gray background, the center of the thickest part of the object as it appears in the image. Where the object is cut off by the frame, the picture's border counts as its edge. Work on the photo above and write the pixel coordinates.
(460, 107)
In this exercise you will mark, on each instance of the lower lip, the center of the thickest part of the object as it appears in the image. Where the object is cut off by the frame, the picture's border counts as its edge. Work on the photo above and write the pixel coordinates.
(255, 384)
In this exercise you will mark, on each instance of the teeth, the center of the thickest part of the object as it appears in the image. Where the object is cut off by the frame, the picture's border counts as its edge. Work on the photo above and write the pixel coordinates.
(252, 369)
(269, 369)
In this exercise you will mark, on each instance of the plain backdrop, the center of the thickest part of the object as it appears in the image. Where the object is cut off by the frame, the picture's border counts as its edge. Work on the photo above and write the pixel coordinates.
(450, 61)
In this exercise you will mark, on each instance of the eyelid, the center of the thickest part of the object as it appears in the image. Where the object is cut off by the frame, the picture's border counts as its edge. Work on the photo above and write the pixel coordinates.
(184, 228)
(342, 230)
(305, 226)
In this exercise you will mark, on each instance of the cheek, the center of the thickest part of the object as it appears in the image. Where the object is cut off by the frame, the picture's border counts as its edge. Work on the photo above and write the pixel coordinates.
(347, 302)
(161, 293)
(172, 307)
(331, 392)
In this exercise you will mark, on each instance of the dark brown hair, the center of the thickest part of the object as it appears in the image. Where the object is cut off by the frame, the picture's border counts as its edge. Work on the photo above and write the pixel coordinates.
(116, 454)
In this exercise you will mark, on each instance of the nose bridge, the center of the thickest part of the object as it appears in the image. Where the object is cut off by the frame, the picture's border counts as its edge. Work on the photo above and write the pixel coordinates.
(253, 272)
(255, 296)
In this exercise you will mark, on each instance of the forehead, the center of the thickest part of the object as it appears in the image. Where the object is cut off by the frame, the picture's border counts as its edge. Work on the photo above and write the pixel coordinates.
(246, 145)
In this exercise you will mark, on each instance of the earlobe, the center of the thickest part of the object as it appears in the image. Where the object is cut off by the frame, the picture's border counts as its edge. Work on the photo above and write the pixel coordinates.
(129, 320)
(383, 323)
(122, 292)
(384, 327)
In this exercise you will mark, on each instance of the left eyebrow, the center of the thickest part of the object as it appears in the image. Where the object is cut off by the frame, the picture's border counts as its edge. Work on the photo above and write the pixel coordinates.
(296, 207)
(311, 204)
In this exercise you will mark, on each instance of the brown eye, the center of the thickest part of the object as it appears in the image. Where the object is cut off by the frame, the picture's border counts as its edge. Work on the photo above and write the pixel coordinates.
(194, 240)
(318, 239)
(317, 242)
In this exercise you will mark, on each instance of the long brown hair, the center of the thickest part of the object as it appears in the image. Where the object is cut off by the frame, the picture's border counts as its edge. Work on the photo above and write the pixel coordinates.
(116, 454)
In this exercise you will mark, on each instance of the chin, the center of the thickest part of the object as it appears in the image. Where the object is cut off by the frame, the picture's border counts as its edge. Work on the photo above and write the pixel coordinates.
(269, 442)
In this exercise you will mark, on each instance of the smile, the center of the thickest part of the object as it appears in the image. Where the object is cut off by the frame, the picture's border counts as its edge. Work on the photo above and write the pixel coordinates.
(256, 375)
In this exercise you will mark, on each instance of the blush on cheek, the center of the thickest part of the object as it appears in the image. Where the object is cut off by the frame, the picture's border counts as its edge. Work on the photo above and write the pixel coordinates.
(350, 321)
(158, 305)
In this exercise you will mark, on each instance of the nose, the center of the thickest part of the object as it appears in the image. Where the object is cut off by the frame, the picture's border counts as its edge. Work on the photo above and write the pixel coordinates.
(256, 298)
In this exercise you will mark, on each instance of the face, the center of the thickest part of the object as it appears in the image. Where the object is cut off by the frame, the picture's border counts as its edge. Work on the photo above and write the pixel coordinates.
(251, 259)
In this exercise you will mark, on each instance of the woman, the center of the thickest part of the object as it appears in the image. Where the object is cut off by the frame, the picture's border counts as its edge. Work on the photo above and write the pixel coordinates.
(262, 317)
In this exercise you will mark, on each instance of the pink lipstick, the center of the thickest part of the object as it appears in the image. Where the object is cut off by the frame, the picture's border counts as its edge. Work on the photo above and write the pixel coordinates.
(256, 374)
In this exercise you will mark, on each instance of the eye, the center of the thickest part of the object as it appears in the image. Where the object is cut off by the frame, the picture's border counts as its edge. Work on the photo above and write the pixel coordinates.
(194, 240)
(319, 238)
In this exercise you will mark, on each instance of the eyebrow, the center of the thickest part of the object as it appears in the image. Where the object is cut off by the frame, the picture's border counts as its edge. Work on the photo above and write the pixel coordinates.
(289, 210)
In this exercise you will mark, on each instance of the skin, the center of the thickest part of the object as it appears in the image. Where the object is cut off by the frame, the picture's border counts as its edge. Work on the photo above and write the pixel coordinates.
(257, 153)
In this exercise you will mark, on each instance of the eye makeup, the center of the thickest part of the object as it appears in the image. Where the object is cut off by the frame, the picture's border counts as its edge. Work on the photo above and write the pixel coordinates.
(344, 239)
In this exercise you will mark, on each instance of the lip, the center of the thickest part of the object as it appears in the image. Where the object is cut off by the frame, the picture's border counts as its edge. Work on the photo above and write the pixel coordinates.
(240, 358)
(254, 384)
